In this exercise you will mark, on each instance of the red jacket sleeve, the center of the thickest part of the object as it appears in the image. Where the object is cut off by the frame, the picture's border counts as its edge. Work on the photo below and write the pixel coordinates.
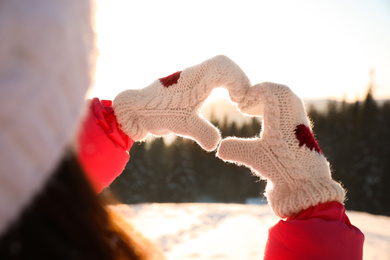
(322, 232)
(103, 147)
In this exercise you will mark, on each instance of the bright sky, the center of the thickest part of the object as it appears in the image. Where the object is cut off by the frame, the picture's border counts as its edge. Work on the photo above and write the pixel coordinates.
(320, 49)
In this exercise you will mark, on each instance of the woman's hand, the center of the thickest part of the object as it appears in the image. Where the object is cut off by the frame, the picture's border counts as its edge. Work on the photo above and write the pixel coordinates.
(287, 154)
(172, 104)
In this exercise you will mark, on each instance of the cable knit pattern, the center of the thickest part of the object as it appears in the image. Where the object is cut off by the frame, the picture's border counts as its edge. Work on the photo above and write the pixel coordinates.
(298, 175)
(172, 104)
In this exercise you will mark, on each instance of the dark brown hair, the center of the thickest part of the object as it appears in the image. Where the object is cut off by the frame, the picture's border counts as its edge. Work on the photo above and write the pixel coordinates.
(68, 221)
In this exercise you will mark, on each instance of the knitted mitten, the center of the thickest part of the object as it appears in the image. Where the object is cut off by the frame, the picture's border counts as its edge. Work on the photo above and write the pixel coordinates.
(287, 154)
(172, 104)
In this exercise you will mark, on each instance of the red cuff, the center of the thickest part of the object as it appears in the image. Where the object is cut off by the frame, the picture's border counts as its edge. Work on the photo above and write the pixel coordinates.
(103, 146)
(320, 232)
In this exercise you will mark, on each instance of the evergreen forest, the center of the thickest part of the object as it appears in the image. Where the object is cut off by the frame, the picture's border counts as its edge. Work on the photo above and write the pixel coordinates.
(355, 138)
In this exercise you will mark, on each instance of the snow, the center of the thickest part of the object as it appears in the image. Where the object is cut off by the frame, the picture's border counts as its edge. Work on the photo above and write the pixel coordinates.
(210, 231)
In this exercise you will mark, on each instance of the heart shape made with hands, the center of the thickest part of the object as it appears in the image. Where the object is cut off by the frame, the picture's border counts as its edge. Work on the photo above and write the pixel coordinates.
(286, 154)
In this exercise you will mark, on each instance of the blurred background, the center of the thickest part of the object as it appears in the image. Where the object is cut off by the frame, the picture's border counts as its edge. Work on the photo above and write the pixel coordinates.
(333, 54)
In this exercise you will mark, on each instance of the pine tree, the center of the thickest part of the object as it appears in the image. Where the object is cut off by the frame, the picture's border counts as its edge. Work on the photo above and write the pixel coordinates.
(130, 186)
(180, 179)
(157, 162)
(384, 141)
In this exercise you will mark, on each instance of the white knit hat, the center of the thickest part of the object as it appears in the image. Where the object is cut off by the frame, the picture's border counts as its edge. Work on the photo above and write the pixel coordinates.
(46, 62)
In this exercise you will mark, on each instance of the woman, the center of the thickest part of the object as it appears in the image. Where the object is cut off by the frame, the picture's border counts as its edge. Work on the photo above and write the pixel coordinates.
(48, 140)
(48, 209)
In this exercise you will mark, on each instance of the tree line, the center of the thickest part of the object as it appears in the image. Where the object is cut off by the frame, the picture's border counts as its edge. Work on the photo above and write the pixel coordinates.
(355, 138)
(183, 172)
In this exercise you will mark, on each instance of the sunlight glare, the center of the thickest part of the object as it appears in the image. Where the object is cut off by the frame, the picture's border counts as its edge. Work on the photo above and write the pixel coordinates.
(320, 51)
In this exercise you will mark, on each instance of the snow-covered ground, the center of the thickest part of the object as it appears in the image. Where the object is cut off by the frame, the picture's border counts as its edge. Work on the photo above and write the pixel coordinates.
(231, 231)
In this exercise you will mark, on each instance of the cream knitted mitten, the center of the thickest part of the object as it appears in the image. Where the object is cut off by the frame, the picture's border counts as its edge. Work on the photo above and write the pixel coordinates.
(287, 155)
(172, 104)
